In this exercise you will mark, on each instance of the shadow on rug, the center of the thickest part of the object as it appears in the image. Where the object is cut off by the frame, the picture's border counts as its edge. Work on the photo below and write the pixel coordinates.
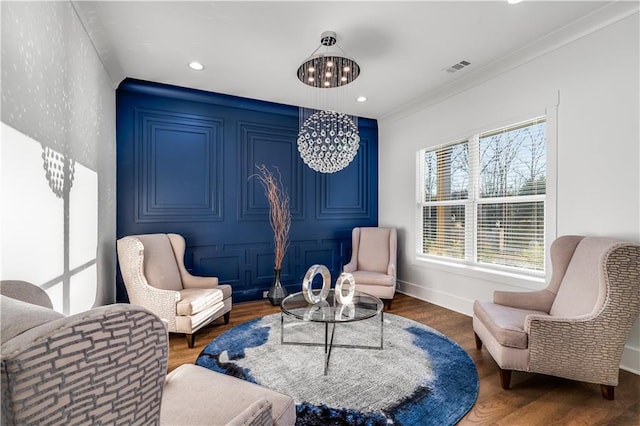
(420, 377)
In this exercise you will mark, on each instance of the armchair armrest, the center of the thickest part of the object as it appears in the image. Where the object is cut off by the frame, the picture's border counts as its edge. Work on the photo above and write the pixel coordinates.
(540, 300)
(258, 414)
(558, 346)
(391, 270)
(351, 266)
(193, 281)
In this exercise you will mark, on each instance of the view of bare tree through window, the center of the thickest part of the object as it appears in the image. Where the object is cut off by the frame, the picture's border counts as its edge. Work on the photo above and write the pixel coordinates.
(446, 184)
(484, 198)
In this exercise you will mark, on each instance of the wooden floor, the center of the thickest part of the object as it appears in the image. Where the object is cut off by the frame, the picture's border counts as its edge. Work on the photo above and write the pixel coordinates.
(533, 399)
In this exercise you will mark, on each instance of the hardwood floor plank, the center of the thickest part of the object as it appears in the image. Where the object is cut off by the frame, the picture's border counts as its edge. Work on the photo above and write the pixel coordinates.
(533, 400)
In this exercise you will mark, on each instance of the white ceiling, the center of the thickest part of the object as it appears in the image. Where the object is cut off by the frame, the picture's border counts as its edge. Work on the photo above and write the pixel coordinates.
(253, 49)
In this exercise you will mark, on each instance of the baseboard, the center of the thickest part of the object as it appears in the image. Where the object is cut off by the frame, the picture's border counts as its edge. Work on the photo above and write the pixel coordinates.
(631, 360)
(440, 298)
(630, 356)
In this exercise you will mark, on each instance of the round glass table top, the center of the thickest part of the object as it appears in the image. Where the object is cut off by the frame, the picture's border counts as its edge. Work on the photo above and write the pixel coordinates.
(362, 307)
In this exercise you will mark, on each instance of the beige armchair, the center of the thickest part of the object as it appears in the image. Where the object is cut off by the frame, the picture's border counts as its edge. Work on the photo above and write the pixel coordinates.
(576, 328)
(108, 366)
(373, 261)
(155, 277)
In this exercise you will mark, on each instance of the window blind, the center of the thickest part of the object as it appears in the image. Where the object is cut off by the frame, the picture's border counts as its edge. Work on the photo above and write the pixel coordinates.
(483, 198)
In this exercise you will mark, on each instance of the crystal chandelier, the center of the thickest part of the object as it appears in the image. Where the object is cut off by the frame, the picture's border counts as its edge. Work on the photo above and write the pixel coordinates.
(328, 140)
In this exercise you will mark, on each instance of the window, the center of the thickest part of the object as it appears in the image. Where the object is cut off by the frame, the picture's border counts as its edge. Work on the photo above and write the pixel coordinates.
(482, 199)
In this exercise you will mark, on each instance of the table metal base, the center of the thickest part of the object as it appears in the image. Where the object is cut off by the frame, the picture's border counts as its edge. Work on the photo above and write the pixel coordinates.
(328, 342)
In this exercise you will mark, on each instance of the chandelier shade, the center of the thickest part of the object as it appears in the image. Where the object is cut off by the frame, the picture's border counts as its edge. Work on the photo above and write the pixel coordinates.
(329, 68)
(328, 141)
(325, 72)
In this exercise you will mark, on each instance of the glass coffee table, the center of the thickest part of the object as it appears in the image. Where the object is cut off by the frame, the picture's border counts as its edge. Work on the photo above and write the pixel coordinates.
(330, 312)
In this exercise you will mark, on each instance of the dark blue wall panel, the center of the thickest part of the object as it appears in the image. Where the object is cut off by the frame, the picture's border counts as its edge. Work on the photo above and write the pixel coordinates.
(186, 161)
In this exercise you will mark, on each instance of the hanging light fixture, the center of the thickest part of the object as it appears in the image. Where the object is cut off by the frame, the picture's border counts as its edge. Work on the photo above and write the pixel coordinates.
(328, 140)
(329, 68)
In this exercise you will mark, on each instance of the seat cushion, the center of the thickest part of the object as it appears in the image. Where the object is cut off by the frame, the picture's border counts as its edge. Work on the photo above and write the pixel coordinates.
(195, 300)
(506, 324)
(160, 267)
(215, 398)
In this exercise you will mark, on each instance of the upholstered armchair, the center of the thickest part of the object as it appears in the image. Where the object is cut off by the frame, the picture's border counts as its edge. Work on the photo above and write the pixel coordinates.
(373, 261)
(155, 277)
(108, 365)
(103, 366)
(575, 328)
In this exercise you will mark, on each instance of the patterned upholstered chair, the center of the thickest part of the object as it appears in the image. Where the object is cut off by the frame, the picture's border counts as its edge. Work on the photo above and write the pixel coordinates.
(154, 274)
(373, 261)
(108, 366)
(576, 328)
(103, 366)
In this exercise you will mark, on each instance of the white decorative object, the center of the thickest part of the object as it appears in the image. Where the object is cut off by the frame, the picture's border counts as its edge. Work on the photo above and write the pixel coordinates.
(345, 312)
(307, 283)
(318, 312)
(340, 297)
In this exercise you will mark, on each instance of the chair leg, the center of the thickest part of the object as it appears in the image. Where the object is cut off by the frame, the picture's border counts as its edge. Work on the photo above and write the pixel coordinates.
(607, 391)
(387, 303)
(505, 378)
(191, 338)
(226, 317)
(478, 341)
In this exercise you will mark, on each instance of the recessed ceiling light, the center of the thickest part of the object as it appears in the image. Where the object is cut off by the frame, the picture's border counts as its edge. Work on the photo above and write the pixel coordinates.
(196, 66)
(513, 1)
(361, 99)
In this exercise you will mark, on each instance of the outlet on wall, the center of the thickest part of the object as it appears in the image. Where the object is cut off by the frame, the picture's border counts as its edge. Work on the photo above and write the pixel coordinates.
(264, 294)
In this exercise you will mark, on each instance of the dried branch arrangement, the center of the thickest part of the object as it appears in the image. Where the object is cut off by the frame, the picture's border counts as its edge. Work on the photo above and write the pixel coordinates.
(279, 214)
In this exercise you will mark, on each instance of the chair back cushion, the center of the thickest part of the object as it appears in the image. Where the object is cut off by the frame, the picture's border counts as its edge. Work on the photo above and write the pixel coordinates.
(373, 250)
(160, 267)
(582, 289)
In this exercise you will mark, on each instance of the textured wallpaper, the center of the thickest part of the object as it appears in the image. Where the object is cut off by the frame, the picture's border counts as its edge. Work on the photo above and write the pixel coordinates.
(58, 114)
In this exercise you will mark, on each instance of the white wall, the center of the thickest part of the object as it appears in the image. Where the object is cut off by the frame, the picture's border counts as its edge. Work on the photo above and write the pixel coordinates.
(595, 78)
(56, 95)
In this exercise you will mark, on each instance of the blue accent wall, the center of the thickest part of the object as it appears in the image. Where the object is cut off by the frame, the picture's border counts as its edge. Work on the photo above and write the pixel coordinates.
(184, 164)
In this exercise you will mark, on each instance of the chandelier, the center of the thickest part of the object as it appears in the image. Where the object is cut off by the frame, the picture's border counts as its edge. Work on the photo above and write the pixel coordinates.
(328, 69)
(328, 140)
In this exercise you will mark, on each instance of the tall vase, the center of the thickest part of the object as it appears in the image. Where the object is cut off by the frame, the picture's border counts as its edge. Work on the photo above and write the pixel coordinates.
(276, 292)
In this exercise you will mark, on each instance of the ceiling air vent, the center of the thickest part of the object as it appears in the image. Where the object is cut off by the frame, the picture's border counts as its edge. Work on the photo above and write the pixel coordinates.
(457, 67)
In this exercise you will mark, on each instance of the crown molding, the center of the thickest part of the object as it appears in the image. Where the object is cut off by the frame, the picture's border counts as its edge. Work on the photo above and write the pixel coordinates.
(595, 21)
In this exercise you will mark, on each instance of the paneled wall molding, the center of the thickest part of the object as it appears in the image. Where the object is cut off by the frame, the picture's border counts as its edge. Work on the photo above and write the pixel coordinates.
(275, 147)
(184, 164)
(344, 194)
(178, 188)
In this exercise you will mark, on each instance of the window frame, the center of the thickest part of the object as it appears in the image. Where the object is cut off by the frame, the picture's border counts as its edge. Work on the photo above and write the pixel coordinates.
(520, 277)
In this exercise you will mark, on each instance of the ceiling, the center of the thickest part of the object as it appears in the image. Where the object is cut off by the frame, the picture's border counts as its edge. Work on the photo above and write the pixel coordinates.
(253, 49)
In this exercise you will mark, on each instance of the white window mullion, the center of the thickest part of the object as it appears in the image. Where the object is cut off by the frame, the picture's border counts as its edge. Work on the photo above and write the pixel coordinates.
(474, 195)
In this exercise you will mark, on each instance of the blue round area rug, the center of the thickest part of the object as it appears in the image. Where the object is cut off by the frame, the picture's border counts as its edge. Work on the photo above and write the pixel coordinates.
(420, 377)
